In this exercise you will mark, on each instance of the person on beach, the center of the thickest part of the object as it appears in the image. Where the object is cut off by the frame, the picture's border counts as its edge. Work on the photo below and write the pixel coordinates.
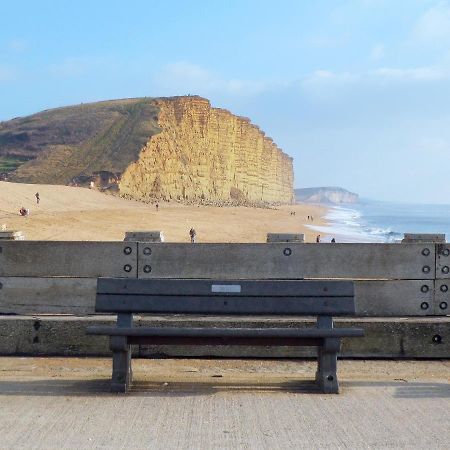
(157, 206)
(37, 197)
(318, 239)
(192, 234)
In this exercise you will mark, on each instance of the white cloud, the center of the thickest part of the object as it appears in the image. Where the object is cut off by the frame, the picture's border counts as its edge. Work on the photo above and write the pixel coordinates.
(185, 77)
(17, 45)
(69, 67)
(434, 25)
(377, 53)
(72, 67)
(325, 41)
(434, 146)
(7, 74)
(326, 76)
(427, 73)
(320, 78)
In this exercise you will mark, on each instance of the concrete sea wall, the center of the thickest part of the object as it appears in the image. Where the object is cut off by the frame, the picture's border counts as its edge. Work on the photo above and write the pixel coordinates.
(47, 292)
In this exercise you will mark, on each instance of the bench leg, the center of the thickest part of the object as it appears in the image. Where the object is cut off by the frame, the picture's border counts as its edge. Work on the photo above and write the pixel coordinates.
(121, 374)
(326, 375)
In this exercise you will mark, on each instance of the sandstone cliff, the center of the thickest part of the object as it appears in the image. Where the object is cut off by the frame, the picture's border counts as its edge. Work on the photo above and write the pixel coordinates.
(177, 148)
(205, 153)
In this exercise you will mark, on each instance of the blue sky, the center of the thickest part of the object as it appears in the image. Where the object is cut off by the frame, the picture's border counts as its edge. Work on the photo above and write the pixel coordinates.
(358, 92)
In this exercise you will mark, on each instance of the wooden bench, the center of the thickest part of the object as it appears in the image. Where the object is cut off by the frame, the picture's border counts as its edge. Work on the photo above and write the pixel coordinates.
(323, 299)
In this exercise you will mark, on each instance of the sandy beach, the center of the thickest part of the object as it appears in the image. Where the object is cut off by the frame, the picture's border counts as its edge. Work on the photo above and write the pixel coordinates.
(73, 213)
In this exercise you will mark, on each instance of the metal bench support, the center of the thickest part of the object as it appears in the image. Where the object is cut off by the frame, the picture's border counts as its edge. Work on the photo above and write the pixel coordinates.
(121, 373)
(326, 375)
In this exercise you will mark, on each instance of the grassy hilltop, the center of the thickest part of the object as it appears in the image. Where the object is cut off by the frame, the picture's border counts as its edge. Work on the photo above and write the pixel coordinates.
(56, 145)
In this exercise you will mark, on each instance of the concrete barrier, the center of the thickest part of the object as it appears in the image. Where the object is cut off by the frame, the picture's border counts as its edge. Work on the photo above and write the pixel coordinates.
(11, 235)
(390, 298)
(66, 336)
(392, 281)
(68, 259)
(285, 237)
(284, 261)
(409, 238)
(144, 236)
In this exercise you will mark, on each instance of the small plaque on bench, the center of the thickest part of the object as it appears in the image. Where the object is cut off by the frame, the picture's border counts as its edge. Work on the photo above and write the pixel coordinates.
(226, 288)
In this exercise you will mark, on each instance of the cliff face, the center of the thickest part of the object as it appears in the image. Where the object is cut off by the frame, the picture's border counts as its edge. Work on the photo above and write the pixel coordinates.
(326, 195)
(205, 153)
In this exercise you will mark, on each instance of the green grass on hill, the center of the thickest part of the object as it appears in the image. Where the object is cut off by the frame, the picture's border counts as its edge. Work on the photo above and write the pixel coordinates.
(63, 143)
(8, 164)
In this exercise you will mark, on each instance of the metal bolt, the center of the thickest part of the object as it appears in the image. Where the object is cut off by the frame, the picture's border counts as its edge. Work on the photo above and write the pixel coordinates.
(426, 269)
(127, 250)
(446, 252)
(437, 339)
(424, 305)
(127, 268)
(426, 252)
(444, 288)
(330, 378)
(443, 305)
(445, 269)
(147, 268)
(287, 251)
(424, 288)
(147, 251)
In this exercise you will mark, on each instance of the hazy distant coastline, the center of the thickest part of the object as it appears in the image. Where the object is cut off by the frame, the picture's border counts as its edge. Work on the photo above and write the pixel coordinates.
(326, 195)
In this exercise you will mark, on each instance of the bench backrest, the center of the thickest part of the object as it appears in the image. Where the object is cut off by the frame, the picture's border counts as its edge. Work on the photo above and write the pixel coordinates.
(264, 297)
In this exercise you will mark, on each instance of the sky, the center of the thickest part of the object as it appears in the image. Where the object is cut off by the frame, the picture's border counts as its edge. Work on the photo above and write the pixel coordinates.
(356, 91)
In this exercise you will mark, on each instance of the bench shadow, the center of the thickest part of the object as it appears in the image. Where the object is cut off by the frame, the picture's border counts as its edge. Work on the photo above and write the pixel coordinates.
(96, 388)
(159, 388)
(407, 389)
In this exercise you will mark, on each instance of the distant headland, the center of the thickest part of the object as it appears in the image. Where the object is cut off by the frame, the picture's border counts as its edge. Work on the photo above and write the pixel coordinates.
(333, 195)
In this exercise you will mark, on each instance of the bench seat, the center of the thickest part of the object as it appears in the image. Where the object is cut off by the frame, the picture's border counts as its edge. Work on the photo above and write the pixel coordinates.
(281, 333)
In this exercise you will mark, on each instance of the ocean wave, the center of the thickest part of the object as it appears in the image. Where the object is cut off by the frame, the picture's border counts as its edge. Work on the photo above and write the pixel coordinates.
(349, 225)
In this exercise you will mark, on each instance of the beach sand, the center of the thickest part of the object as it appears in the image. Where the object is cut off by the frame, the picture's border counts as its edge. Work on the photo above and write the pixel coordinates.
(73, 213)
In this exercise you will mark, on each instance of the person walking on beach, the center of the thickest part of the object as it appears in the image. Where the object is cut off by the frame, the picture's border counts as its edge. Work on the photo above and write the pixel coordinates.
(318, 239)
(192, 234)
(157, 206)
(37, 197)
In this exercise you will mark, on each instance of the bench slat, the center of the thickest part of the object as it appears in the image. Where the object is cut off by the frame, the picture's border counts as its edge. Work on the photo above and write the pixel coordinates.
(199, 287)
(225, 304)
(227, 332)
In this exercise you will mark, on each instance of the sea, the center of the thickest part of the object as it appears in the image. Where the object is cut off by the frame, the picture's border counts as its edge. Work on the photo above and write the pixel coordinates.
(376, 221)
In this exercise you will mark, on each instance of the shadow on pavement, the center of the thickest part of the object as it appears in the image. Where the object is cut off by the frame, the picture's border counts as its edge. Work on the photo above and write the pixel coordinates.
(406, 389)
(95, 388)
(146, 388)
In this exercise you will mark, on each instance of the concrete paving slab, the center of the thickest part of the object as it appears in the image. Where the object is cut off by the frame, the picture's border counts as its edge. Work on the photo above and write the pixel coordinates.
(64, 403)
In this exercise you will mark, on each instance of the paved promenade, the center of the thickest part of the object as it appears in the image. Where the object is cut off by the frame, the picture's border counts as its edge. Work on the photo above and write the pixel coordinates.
(64, 403)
